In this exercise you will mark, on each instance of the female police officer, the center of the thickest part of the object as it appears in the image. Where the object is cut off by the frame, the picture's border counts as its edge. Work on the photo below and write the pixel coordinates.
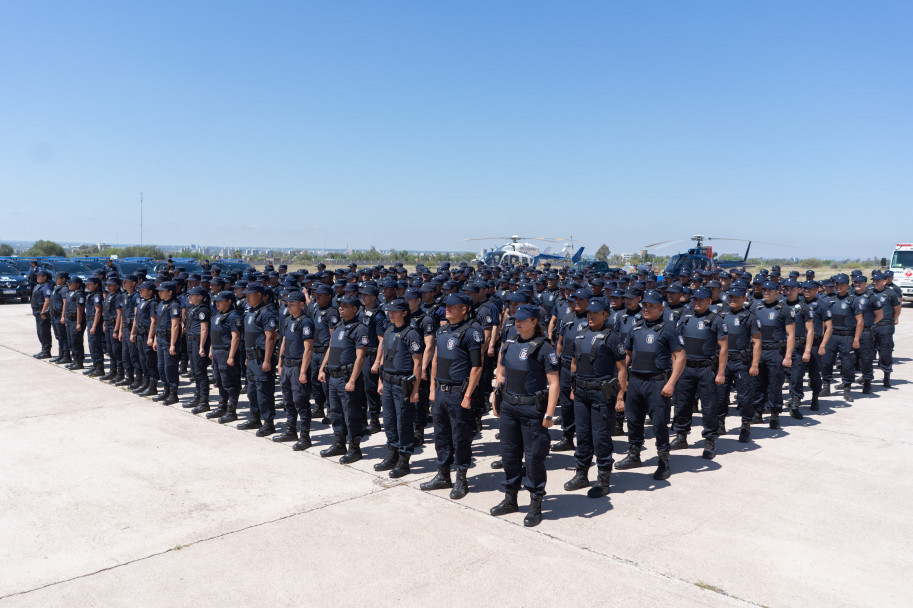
(528, 378)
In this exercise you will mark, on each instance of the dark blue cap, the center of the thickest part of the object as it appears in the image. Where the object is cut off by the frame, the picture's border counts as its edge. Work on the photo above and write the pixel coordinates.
(43, 273)
(714, 285)
(860, 278)
(520, 297)
(597, 305)
(428, 287)
(770, 285)
(295, 296)
(888, 273)
(350, 288)
(686, 290)
(74, 280)
(737, 292)
(878, 276)
(790, 283)
(167, 286)
(810, 285)
(388, 283)
(398, 304)
(63, 274)
(369, 289)
(130, 277)
(674, 288)
(349, 301)
(457, 298)
(582, 294)
(147, 285)
(197, 291)
(254, 288)
(323, 288)
(651, 296)
(223, 295)
(841, 278)
(470, 288)
(618, 293)
(702, 293)
(412, 294)
(633, 292)
(527, 311)
(194, 276)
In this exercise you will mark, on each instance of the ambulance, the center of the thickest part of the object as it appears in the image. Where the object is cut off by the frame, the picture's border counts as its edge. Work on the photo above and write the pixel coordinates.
(902, 265)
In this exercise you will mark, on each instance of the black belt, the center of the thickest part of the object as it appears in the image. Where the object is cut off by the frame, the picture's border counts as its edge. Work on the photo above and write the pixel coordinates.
(589, 385)
(844, 332)
(566, 363)
(393, 377)
(339, 372)
(220, 347)
(193, 338)
(735, 355)
(520, 399)
(800, 342)
(142, 329)
(128, 324)
(71, 317)
(649, 376)
(371, 352)
(254, 353)
(319, 350)
(290, 361)
(701, 363)
(162, 334)
(448, 387)
(770, 346)
(110, 323)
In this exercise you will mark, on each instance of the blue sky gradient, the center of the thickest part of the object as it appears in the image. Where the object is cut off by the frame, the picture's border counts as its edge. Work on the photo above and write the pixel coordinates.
(416, 124)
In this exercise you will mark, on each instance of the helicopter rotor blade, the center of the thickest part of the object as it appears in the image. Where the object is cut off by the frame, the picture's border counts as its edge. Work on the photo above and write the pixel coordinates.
(490, 238)
(714, 238)
(656, 244)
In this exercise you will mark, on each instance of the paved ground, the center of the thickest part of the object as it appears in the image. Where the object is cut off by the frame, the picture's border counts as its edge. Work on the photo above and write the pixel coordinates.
(109, 499)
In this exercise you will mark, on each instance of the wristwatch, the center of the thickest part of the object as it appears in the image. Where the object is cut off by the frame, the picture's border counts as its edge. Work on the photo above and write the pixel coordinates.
(549, 418)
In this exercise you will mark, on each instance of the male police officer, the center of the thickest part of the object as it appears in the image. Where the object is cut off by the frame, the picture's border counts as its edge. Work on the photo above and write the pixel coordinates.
(41, 304)
(225, 350)
(197, 321)
(872, 312)
(744, 333)
(94, 300)
(74, 312)
(164, 334)
(846, 316)
(778, 335)
(457, 369)
(261, 322)
(58, 323)
(804, 343)
(325, 317)
(891, 304)
(294, 368)
(145, 309)
(373, 318)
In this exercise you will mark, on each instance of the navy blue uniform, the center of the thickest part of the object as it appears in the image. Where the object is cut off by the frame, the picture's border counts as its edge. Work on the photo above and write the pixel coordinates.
(426, 324)
(571, 325)
(865, 354)
(346, 409)
(650, 346)
(800, 313)
(40, 293)
(401, 344)
(595, 354)
(773, 318)
(144, 351)
(741, 327)
(376, 322)
(76, 301)
(222, 326)
(58, 297)
(94, 301)
(261, 385)
(884, 329)
(523, 438)
(325, 319)
(129, 354)
(457, 350)
(295, 395)
(843, 316)
(194, 318)
(112, 303)
(165, 312)
(701, 333)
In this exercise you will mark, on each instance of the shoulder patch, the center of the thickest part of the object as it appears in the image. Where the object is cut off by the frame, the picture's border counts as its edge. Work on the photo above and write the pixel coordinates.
(553, 358)
(477, 336)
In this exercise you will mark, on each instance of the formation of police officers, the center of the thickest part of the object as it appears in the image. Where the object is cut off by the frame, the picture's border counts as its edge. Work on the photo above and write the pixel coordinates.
(379, 348)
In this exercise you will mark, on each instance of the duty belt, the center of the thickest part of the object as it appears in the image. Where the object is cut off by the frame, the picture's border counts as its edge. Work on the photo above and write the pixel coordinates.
(701, 363)
(589, 385)
(254, 353)
(735, 355)
(214, 347)
(142, 329)
(649, 376)
(339, 372)
(800, 342)
(71, 316)
(193, 338)
(371, 351)
(520, 399)
(566, 363)
(770, 346)
(290, 361)
(128, 324)
(844, 332)
(449, 387)
(392, 376)
(320, 349)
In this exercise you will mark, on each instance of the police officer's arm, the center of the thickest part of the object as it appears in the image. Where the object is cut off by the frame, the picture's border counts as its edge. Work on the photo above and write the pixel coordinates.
(379, 359)
(621, 369)
(433, 377)
(63, 312)
(809, 332)
(790, 344)
(724, 359)
(559, 346)
(551, 326)
(80, 316)
(45, 305)
(281, 352)
(879, 315)
(475, 373)
(416, 371)
(356, 368)
(499, 378)
(97, 320)
(269, 349)
(427, 356)
(554, 390)
(118, 322)
(321, 375)
(306, 361)
(678, 366)
(204, 335)
(235, 345)
(897, 310)
(150, 339)
(175, 330)
(755, 353)
(828, 330)
(859, 326)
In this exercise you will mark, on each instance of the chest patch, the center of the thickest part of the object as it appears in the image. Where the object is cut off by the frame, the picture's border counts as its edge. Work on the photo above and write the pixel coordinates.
(771, 315)
(650, 338)
(451, 342)
(524, 353)
(700, 325)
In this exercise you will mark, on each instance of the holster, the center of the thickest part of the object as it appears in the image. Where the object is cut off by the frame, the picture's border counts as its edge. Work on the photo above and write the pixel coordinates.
(499, 396)
(541, 400)
(463, 386)
(608, 390)
(407, 383)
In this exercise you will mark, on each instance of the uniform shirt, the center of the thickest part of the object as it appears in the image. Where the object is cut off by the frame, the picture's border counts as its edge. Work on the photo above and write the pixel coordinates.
(548, 299)
(113, 303)
(424, 323)
(400, 344)
(774, 318)
(221, 327)
(820, 312)
(294, 332)
(195, 317)
(58, 297)
(673, 313)
(626, 321)
(868, 304)
(889, 299)
(741, 327)
(325, 319)
(614, 315)
(94, 300)
(144, 311)
(571, 325)
(701, 333)
(508, 329)
(164, 313)
(844, 311)
(458, 349)
(597, 352)
(800, 313)
(258, 321)
(345, 339)
(40, 292)
(526, 364)
(651, 346)
(486, 315)
(75, 300)
(376, 322)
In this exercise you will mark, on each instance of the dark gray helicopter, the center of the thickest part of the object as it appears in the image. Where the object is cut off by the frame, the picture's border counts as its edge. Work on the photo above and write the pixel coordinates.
(701, 257)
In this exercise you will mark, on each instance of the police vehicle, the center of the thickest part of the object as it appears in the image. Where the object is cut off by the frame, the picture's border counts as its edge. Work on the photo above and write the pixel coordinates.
(700, 257)
(92, 263)
(127, 266)
(55, 265)
(902, 266)
(22, 265)
(515, 252)
(228, 266)
(188, 264)
(12, 284)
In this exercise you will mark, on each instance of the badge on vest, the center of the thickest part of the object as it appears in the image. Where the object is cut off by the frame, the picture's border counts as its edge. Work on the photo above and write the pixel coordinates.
(524, 353)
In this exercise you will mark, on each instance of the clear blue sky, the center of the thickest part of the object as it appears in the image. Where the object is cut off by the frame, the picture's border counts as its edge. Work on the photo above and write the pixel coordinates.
(415, 124)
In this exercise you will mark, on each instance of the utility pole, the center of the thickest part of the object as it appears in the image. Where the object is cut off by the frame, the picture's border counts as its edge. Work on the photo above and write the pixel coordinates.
(140, 219)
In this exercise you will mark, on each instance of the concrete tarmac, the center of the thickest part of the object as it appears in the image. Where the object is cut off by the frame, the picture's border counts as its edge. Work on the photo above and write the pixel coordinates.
(109, 499)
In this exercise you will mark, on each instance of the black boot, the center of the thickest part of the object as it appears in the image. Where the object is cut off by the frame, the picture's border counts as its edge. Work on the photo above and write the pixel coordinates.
(847, 395)
(64, 359)
(441, 481)
(374, 424)
(389, 462)
(565, 444)
(866, 387)
(534, 515)
(136, 378)
(266, 429)
(826, 389)
(601, 487)
(232, 413)
(193, 402)
(709, 449)
(460, 487)
(118, 377)
(618, 431)
(680, 442)
(354, 453)
(758, 417)
(580, 480)
(75, 365)
(202, 405)
(151, 389)
(662, 470)
(143, 385)
(337, 449)
(220, 410)
(97, 371)
(55, 359)
(745, 432)
(250, 424)
(814, 406)
(887, 379)
(402, 467)
(497, 464)
(288, 435)
(317, 412)
(508, 505)
(304, 441)
(172, 397)
(794, 408)
(166, 391)
(44, 354)
(721, 430)
(632, 460)
(774, 420)
(109, 375)
(419, 437)
(182, 368)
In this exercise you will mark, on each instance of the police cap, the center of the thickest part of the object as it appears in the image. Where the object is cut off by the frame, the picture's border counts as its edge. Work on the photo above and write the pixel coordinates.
(398, 304)
(222, 295)
(197, 291)
(412, 294)
(167, 286)
(790, 283)
(633, 292)
(674, 288)
(254, 288)
(582, 294)
(860, 278)
(737, 292)
(702, 293)
(841, 278)
(63, 274)
(294, 296)
(457, 298)
(349, 301)
(597, 305)
(147, 285)
(770, 285)
(323, 288)
(527, 311)
(878, 276)
(652, 297)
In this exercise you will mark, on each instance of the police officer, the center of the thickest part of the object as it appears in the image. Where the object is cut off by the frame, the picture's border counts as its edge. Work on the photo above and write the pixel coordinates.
(297, 340)
(111, 316)
(527, 394)
(804, 344)
(41, 305)
(197, 322)
(744, 354)
(573, 323)
(598, 369)
(891, 304)
(778, 334)
(261, 324)
(456, 369)
(846, 315)
(872, 312)
(74, 312)
(655, 359)
(401, 359)
(325, 317)
(58, 323)
(423, 321)
(341, 369)
(821, 320)
(94, 301)
(374, 319)
(164, 335)
(225, 328)
(624, 323)
(142, 322)
(133, 374)
(707, 354)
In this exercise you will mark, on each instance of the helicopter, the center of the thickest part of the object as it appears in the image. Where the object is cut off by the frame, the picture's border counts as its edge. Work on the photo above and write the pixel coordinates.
(516, 252)
(700, 257)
